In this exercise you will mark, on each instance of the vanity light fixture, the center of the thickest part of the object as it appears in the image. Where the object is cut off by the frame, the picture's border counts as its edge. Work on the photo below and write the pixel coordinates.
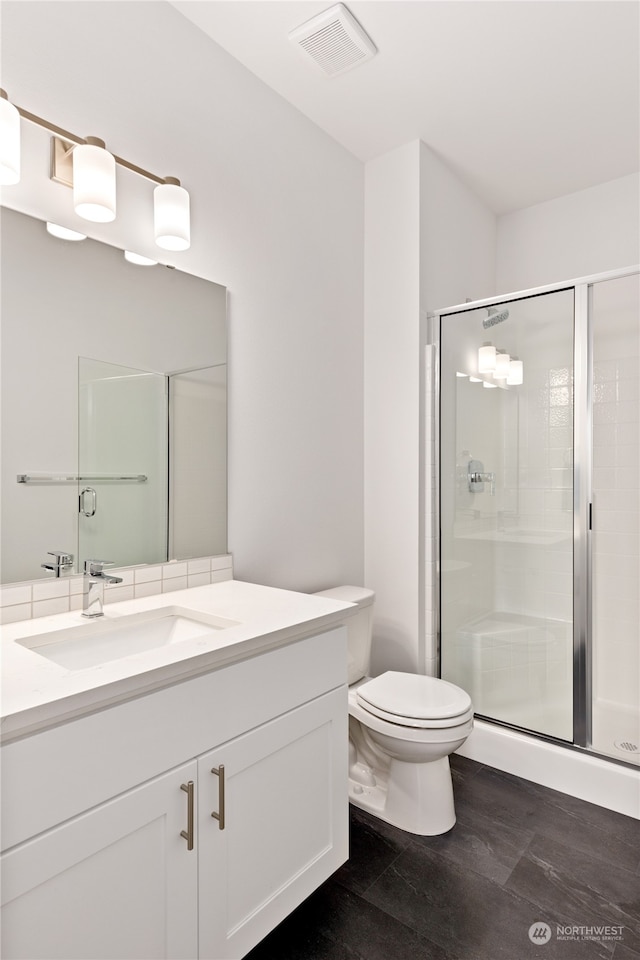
(489, 385)
(501, 371)
(64, 233)
(138, 259)
(486, 358)
(94, 181)
(171, 216)
(475, 379)
(460, 374)
(85, 164)
(516, 373)
(9, 141)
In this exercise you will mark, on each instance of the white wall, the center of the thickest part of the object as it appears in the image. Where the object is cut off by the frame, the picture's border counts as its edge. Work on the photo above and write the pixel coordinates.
(572, 236)
(277, 217)
(392, 365)
(428, 242)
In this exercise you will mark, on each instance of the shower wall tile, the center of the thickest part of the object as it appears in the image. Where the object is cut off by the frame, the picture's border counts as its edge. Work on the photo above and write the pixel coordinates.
(625, 544)
(614, 521)
(616, 559)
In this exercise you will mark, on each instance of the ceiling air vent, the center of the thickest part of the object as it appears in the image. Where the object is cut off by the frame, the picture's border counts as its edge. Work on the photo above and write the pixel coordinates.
(334, 40)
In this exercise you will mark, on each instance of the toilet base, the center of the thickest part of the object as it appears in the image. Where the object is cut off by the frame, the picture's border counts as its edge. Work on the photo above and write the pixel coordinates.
(416, 797)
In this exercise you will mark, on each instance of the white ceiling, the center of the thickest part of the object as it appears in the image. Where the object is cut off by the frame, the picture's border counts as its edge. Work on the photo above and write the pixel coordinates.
(525, 100)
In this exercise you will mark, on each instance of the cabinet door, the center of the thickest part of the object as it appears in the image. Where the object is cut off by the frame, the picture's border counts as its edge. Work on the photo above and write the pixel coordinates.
(117, 882)
(285, 823)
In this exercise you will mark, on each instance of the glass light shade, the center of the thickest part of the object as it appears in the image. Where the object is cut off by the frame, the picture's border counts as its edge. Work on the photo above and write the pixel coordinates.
(475, 379)
(9, 143)
(64, 233)
(486, 358)
(138, 259)
(460, 374)
(94, 183)
(171, 217)
(516, 373)
(489, 385)
(501, 371)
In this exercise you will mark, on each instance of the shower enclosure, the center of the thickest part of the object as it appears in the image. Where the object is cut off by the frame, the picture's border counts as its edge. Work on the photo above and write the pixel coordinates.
(537, 460)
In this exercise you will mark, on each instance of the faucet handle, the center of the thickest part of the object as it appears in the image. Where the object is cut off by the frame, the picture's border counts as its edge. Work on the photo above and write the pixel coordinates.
(62, 557)
(95, 567)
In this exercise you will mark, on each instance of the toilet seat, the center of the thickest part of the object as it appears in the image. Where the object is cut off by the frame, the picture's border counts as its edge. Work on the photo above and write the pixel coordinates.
(413, 700)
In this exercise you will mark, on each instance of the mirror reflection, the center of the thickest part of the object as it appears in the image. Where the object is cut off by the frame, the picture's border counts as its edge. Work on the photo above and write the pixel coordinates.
(111, 373)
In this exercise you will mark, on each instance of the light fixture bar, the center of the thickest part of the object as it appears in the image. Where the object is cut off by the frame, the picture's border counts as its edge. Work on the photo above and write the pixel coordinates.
(77, 141)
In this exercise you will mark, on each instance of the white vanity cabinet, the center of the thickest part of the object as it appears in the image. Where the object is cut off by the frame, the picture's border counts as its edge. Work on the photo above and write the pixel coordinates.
(97, 820)
(283, 824)
(115, 882)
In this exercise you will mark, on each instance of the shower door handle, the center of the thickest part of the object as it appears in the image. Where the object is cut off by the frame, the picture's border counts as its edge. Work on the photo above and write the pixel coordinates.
(82, 504)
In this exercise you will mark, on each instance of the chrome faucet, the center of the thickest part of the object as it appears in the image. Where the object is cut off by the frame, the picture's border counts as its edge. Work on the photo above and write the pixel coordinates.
(93, 587)
(63, 561)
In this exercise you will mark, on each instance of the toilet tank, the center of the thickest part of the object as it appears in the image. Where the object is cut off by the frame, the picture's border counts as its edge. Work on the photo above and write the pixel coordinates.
(358, 627)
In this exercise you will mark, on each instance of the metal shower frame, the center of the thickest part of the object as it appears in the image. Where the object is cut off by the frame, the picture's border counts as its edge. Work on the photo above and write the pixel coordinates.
(582, 484)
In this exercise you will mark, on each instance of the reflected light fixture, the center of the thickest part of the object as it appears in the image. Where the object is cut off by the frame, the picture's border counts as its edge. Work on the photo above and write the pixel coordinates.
(9, 141)
(138, 259)
(486, 358)
(89, 168)
(489, 385)
(64, 233)
(94, 181)
(516, 373)
(501, 371)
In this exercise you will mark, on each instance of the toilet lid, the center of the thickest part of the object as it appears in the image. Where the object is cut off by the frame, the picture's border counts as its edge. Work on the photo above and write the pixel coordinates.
(413, 696)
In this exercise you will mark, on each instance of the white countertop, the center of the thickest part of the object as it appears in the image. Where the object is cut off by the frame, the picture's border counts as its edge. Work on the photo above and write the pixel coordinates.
(36, 692)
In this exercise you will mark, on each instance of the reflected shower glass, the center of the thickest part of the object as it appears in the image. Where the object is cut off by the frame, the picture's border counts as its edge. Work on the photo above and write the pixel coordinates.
(506, 501)
(122, 464)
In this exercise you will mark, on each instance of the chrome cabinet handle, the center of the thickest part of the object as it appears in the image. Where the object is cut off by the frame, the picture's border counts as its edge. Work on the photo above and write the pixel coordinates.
(219, 816)
(188, 833)
(94, 502)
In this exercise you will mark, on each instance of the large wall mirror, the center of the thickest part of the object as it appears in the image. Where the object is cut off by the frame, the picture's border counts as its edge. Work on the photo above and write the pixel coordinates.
(113, 397)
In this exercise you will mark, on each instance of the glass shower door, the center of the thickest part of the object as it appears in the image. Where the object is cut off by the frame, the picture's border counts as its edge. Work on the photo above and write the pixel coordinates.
(506, 509)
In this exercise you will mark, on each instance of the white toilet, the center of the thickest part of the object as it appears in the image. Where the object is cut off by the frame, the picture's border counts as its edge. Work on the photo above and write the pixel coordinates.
(402, 728)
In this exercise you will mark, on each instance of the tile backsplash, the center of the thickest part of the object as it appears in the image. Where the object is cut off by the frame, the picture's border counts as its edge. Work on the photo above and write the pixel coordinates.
(41, 598)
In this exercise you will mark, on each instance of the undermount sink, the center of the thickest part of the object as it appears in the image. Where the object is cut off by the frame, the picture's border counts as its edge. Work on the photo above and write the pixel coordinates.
(102, 641)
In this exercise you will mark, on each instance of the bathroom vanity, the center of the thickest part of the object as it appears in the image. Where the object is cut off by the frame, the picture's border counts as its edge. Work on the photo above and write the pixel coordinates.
(179, 801)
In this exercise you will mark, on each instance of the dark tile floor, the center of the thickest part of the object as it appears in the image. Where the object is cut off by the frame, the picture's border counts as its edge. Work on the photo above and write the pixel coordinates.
(519, 855)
